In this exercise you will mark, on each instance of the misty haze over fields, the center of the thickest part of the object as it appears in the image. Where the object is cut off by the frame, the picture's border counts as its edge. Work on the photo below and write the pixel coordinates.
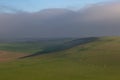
(102, 19)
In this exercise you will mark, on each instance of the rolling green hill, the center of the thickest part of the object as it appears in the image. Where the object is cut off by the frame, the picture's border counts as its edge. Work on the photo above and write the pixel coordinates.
(98, 60)
(30, 46)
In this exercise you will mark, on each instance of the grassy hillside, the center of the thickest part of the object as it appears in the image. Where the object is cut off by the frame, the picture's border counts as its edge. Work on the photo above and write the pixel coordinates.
(98, 60)
(30, 46)
(63, 46)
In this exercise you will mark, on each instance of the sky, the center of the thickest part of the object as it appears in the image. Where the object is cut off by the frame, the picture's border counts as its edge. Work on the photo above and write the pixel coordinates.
(36, 5)
(58, 19)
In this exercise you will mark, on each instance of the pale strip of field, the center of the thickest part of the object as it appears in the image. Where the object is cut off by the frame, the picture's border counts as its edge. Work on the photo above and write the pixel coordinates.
(8, 56)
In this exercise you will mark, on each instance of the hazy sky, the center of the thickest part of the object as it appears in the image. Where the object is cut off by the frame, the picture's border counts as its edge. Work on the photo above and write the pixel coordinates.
(36, 5)
(59, 18)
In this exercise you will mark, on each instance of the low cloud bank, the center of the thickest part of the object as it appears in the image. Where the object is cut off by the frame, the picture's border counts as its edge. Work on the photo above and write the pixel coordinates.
(95, 20)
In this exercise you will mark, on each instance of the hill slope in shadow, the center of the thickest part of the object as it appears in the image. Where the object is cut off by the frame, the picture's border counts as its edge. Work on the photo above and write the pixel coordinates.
(64, 46)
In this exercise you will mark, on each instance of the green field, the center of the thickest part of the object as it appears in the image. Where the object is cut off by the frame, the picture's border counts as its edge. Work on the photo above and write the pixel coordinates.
(30, 46)
(98, 60)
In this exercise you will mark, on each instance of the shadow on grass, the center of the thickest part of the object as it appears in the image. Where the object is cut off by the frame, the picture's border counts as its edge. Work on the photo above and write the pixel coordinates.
(64, 46)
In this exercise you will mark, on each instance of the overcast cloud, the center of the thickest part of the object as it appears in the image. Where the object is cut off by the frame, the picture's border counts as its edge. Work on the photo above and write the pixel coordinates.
(95, 20)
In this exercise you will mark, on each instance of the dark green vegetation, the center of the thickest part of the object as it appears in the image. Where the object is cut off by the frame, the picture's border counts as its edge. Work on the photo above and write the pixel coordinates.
(98, 60)
(31, 46)
(64, 46)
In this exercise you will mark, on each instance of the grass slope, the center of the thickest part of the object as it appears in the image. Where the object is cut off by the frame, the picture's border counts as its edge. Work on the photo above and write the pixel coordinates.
(64, 46)
(30, 46)
(98, 60)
